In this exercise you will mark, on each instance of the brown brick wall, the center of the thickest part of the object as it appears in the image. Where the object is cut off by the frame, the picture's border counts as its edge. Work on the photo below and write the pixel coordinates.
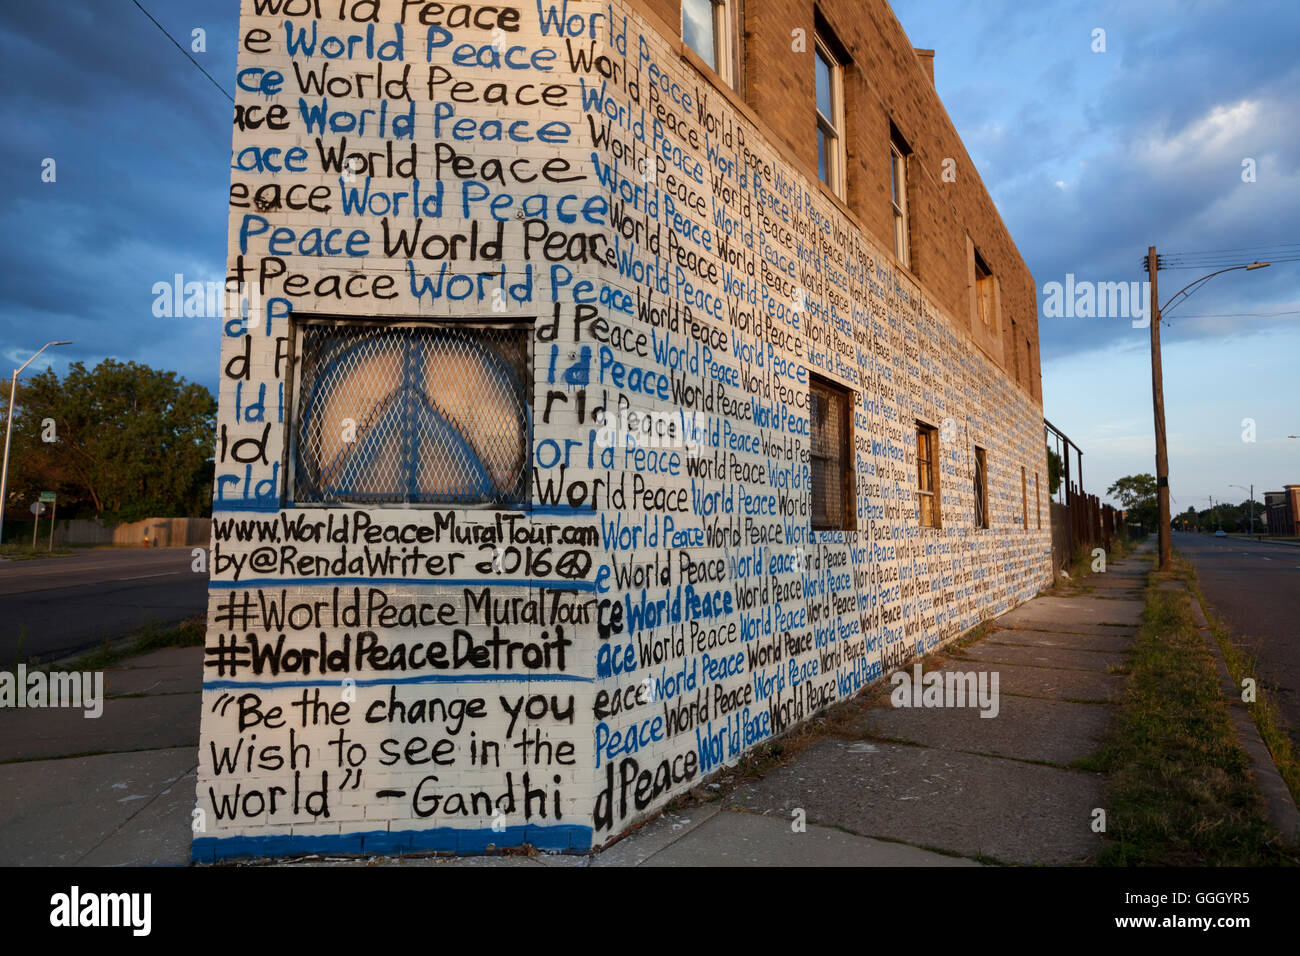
(887, 81)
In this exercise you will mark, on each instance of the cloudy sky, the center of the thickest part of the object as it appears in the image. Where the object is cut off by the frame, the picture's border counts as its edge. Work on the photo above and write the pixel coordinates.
(1094, 156)
(1090, 156)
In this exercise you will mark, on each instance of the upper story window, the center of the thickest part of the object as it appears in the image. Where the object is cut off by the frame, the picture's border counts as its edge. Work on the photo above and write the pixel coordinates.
(898, 154)
(830, 116)
(707, 28)
(986, 299)
(429, 413)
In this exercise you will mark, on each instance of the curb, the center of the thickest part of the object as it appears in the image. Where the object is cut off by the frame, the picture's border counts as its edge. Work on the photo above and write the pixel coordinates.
(1279, 805)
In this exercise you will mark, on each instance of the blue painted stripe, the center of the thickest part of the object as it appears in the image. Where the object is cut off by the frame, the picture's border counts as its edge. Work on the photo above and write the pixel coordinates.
(557, 838)
(563, 510)
(410, 582)
(419, 679)
(251, 505)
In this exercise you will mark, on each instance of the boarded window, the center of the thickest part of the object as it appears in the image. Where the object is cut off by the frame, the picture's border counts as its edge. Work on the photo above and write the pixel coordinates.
(1024, 500)
(411, 414)
(981, 489)
(1038, 503)
(831, 456)
(927, 475)
(1015, 352)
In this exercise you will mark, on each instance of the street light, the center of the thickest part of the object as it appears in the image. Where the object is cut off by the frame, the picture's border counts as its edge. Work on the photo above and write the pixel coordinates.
(1251, 492)
(9, 427)
(1158, 391)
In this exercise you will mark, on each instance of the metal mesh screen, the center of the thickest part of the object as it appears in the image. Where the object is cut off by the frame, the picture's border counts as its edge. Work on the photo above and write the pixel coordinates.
(828, 441)
(412, 414)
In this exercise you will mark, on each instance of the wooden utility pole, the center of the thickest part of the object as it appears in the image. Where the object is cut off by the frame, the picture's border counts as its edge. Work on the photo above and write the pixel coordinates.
(1158, 401)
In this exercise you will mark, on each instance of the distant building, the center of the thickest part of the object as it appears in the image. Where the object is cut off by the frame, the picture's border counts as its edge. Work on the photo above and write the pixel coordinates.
(1283, 511)
(629, 382)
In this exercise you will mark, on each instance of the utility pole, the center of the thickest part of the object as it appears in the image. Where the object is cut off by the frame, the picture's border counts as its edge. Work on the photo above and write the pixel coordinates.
(9, 427)
(1158, 401)
(1158, 387)
(1252, 505)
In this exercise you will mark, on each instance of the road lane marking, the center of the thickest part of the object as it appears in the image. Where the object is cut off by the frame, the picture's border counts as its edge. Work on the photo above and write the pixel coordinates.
(72, 570)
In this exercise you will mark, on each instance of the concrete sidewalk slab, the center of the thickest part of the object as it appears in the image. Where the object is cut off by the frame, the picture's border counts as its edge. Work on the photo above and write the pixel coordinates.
(1115, 639)
(1047, 681)
(168, 670)
(745, 839)
(656, 835)
(1102, 662)
(159, 833)
(63, 812)
(960, 803)
(1026, 728)
(1115, 585)
(127, 723)
(1065, 612)
(161, 711)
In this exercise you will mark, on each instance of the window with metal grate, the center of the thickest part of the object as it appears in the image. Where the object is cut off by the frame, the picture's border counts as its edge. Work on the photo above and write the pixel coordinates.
(411, 414)
(831, 461)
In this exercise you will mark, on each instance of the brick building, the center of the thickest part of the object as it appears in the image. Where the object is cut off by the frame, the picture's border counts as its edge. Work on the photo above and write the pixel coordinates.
(619, 386)
(1283, 511)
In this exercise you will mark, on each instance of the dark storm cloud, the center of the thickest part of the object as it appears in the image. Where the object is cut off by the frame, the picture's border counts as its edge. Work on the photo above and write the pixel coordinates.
(141, 140)
(1091, 157)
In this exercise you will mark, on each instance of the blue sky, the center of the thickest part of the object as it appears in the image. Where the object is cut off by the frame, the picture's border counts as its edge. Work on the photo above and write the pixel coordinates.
(1091, 157)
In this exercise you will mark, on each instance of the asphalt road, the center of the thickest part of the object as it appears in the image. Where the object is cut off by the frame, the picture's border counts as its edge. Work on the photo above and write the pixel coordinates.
(56, 606)
(1255, 587)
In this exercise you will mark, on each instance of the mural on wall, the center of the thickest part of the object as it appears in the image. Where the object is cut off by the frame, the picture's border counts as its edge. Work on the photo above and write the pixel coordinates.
(521, 438)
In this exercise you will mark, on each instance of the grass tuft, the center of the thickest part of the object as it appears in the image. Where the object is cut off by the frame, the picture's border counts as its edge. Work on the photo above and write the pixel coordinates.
(1179, 790)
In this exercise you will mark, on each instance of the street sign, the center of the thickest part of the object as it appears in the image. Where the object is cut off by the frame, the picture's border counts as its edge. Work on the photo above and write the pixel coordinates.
(37, 508)
(47, 496)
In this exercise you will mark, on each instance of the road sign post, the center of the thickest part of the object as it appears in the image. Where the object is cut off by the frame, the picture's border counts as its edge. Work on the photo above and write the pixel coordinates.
(37, 509)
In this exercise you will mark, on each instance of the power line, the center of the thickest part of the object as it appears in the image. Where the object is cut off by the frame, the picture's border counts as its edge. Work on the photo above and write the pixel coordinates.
(185, 51)
(1215, 252)
(1239, 315)
(1223, 267)
(1263, 257)
(1170, 264)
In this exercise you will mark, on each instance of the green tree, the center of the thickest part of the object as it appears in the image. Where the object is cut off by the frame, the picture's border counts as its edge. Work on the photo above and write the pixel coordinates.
(122, 441)
(1055, 469)
(1137, 495)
